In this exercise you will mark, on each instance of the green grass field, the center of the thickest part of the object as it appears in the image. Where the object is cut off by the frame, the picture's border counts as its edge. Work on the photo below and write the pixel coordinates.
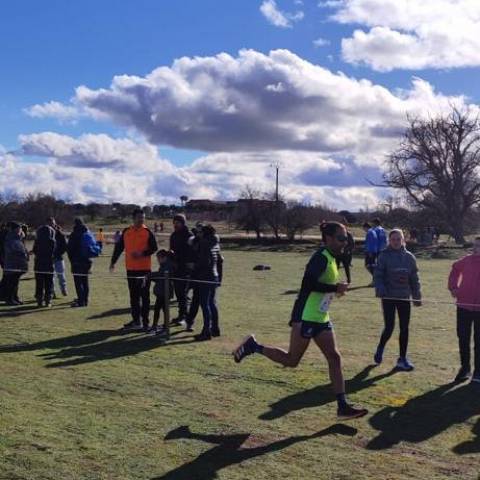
(79, 400)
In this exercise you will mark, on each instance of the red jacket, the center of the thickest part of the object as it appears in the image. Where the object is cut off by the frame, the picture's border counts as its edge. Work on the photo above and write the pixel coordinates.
(465, 278)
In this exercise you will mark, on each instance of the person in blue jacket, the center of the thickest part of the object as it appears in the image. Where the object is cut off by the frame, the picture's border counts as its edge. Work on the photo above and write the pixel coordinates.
(81, 248)
(371, 249)
(381, 235)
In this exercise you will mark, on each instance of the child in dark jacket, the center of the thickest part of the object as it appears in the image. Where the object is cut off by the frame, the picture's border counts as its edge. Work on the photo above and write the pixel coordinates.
(165, 262)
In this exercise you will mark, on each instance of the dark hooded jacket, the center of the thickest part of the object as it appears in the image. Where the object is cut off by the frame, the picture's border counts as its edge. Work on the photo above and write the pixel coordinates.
(44, 249)
(15, 253)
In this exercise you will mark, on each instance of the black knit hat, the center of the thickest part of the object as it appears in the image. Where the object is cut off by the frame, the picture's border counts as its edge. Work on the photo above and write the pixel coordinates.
(180, 217)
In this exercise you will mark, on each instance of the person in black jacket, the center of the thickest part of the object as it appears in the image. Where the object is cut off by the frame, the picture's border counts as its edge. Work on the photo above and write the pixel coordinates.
(179, 244)
(194, 243)
(16, 262)
(209, 269)
(43, 249)
(346, 257)
(3, 234)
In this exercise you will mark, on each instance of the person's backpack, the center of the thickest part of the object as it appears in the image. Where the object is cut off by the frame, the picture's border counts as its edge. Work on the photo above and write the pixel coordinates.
(89, 246)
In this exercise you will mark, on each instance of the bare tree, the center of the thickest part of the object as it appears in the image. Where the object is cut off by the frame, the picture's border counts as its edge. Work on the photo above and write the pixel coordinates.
(273, 212)
(297, 218)
(184, 200)
(250, 212)
(437, 166)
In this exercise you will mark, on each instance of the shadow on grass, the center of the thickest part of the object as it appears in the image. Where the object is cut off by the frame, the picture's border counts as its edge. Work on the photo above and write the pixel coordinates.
(28, 308)
(428, 415)
(86, 338)
(118, 348)
(114, 312)
(322, 394)
(229, 451)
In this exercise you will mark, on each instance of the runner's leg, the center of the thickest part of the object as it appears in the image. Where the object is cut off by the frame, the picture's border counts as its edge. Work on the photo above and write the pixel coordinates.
(298, 346)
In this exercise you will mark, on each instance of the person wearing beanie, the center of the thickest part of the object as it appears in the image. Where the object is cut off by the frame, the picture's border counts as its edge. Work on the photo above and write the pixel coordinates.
(139, 244)
(180, 244)
(44, 250)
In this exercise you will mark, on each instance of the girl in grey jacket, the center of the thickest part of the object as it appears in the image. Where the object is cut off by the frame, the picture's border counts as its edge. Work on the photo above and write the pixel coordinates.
(396, 281)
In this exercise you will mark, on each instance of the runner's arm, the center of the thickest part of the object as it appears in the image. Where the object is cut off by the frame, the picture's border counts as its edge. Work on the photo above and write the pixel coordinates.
(316, 266)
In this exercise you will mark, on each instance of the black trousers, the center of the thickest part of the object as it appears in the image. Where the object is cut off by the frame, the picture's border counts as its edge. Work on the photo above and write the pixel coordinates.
(11, 281)
(139, 295)
(44, 287)
(403, 308)
(467, 321)
(159, 307)
(194, 304)
(81, 281)
(181, 289)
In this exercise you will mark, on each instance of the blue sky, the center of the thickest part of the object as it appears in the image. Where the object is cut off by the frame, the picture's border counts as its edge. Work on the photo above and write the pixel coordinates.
(50, 48)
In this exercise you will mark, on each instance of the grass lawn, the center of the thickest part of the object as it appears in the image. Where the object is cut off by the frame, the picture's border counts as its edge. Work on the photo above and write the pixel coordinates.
(79, 400)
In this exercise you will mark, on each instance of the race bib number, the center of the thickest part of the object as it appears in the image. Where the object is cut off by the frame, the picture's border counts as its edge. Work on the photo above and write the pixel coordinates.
(324, 305)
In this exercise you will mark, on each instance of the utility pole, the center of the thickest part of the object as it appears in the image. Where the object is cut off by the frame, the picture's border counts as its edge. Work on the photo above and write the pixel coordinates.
(276, 165)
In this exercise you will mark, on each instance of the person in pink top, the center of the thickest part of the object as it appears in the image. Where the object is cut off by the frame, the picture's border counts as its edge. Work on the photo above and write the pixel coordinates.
(463, 283)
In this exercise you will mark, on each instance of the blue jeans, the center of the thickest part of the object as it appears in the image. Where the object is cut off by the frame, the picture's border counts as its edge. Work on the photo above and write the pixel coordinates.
(208, 303)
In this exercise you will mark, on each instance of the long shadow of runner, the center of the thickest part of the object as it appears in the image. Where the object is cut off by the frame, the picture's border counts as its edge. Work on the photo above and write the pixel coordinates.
(118, 348)
(426, 416)
(229, 452)
(322, 394)
(470, 446)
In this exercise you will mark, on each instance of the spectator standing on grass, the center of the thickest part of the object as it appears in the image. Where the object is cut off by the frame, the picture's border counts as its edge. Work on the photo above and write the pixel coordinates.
(396, 281)
(3, 234)
(179, 244)
(58, 262)
(346, 257)
(117, 236)
(209, 271)
(81, 248)
(44, 251)
(194, 243)
(139, 244)
(463, 284)
(15, 262)
(165, 263)
(381, 235)
(371, 249)
(100, 238)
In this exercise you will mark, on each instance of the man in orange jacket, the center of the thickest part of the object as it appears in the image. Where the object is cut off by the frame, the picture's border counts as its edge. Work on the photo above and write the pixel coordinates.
(139, 244)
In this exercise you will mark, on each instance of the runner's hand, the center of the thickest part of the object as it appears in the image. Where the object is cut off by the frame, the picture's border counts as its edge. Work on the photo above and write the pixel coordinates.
(112, 268)
(417, 303)
(454, 292)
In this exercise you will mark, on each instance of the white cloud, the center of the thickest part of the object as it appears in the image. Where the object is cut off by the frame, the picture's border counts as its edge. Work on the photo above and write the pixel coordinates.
(257, 102)
(321, 42)
(53, 109)
(410, 34)
(330, 131)
(275, 16)
(304, 176)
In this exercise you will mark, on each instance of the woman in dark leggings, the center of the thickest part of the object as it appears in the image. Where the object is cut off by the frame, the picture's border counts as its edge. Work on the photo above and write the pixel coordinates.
(396, 281)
